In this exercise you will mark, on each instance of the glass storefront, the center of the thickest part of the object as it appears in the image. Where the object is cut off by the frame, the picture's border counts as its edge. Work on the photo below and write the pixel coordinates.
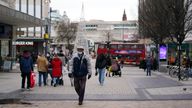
(173, 52)
(4, 48)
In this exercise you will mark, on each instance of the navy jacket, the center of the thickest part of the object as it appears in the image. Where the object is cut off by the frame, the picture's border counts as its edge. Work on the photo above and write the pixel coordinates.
(26, 64)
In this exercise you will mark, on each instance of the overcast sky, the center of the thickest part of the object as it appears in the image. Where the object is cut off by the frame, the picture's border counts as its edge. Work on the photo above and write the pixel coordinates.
(108, 10)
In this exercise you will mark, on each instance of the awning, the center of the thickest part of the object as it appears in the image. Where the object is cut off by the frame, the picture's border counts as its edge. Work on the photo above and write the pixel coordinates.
(17, 18)
(188, 38)
(31, 39)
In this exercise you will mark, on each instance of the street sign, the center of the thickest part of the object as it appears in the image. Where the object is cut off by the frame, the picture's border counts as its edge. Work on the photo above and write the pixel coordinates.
(19, 32)
(23, 43)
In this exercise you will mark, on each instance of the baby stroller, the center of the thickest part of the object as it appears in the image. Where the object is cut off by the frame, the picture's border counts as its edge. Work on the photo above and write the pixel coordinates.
(115, 69)
(60, 80)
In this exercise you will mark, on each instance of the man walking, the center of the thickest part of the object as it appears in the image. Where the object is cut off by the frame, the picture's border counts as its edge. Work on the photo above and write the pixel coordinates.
(148, 64)
(101, 64)
(42, 66)
(26, 66)
(80, 67)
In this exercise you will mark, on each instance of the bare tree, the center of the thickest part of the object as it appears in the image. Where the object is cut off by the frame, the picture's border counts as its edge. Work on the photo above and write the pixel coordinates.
(163, 20)
(152, 20)
(66, 32)
(180, 20)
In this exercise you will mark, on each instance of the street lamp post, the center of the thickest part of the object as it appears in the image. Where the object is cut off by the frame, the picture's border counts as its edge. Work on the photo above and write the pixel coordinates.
(46, 37)
(47, 34)
(108, 43)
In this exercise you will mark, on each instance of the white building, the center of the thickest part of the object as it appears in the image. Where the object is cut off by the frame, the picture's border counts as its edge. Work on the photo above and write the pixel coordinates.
(96, 30)
(55, 17)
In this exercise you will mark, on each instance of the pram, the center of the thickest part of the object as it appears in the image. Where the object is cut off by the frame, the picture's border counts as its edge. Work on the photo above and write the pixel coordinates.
(59, 80)
(115, 69)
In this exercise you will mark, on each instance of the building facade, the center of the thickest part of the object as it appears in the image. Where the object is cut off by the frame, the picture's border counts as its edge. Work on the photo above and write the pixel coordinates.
(96, 30)
(10, 20)
(34, 34)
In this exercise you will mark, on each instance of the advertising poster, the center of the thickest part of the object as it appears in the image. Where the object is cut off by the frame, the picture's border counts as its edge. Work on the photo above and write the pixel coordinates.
(162, 52)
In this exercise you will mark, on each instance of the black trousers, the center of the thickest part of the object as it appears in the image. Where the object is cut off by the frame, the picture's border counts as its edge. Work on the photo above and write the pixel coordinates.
(80, 83)
(24, 76)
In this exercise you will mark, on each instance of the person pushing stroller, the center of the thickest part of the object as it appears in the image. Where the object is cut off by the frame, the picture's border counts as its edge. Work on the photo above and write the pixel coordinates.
(115, 68)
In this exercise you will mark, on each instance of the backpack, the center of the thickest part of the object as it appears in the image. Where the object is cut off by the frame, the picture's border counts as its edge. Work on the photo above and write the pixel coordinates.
(80, 68)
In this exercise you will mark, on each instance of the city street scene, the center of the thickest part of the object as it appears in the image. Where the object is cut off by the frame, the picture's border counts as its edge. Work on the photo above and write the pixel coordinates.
(96, 53)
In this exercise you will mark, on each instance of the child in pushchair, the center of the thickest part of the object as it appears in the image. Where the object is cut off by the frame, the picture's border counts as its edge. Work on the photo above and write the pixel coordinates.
(115, 68)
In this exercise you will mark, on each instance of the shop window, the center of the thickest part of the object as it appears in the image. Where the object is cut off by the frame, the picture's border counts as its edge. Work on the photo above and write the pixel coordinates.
(4, 48)
(31, 7)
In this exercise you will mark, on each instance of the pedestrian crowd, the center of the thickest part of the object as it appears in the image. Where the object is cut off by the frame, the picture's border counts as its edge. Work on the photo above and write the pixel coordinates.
(77, 66)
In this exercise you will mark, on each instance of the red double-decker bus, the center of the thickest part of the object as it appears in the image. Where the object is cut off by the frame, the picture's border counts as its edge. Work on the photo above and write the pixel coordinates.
(129, 53)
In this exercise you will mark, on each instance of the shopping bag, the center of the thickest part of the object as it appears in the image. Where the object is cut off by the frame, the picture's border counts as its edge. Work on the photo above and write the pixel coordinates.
(32, 79)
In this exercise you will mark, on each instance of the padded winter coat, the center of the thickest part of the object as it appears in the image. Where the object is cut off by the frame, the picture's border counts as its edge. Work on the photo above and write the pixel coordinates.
(56, 67)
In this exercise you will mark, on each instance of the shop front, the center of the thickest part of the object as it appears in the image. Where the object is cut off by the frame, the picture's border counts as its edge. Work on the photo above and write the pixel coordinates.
(10, 21)
(173, 52)
(5, 39)
(34, 46)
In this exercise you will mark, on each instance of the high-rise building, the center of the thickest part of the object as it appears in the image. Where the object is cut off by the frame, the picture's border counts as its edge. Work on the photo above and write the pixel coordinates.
(34, 34)
(55, 17)
(12, 18)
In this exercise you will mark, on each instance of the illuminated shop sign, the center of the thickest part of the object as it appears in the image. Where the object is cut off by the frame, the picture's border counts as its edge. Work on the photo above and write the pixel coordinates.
(23, 43)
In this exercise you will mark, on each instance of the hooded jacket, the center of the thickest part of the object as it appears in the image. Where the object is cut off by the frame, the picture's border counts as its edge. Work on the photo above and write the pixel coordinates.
(84, 57)
(26, 63)
(42, 64)
(57, 67)
(101, 62)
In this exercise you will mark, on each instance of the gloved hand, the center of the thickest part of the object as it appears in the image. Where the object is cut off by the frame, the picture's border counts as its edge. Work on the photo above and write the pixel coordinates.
(96, 73)
(21, 74)
(89, 76)
(70, 75)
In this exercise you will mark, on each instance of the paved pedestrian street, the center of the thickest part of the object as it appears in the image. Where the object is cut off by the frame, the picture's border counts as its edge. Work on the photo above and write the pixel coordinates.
(103, 104)
(133, 89)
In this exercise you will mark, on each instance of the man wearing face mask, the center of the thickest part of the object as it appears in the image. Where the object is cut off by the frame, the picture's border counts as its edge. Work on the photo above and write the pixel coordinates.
(80, 68)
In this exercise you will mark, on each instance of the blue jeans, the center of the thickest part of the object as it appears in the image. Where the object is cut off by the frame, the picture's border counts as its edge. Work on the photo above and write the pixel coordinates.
(101, 75)
(55, 80)
(44, 74)
(148, 70)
